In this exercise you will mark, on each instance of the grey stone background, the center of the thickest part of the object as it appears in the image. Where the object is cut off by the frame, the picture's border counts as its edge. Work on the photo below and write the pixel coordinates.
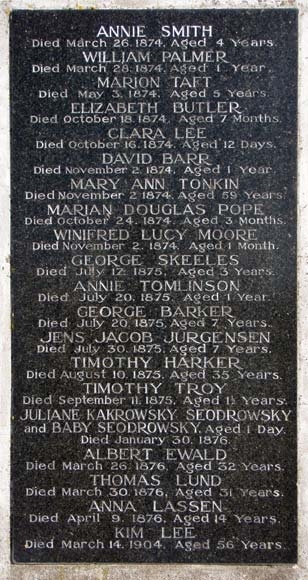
(151, 571)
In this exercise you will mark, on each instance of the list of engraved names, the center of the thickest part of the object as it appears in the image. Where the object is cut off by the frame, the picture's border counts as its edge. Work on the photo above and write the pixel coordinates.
(154, 284)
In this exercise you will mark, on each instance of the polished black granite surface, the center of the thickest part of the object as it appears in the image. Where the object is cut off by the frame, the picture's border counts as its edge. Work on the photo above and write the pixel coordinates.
(154, 286)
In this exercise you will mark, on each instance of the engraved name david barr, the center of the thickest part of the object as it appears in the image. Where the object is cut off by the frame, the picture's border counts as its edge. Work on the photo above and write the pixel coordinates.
(154, 286)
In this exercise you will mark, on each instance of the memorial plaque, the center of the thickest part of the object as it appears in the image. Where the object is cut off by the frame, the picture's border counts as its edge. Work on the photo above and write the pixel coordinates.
(154, 286)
